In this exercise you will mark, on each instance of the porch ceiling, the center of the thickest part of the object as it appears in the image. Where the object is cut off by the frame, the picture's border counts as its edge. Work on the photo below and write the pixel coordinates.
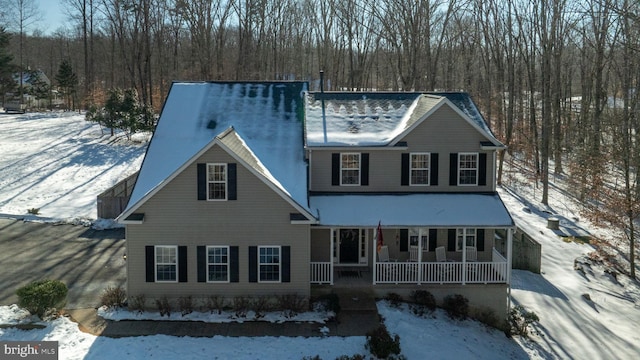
(408, 210)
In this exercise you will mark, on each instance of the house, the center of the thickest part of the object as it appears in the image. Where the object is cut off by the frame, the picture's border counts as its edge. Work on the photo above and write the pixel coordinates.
(252, 189)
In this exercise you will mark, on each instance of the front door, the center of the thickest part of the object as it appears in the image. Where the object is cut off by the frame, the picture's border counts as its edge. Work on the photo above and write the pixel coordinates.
(349, 241)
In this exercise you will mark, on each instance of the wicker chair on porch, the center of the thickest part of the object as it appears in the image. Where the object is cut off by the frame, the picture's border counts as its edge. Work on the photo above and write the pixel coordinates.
(413, 253)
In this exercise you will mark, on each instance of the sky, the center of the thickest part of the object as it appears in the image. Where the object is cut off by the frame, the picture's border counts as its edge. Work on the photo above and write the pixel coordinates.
(53, 15)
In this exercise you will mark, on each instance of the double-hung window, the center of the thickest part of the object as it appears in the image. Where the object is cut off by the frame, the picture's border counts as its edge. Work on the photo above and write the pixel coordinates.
(466, 235)
(419, 169)
(269, 264)
(217, 263)
(166, 263)
(350, 169)
(468, 169)
(217, 181)
(413, 238)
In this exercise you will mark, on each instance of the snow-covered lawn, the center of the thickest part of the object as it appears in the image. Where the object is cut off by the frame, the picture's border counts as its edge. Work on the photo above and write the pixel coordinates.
(59, 163)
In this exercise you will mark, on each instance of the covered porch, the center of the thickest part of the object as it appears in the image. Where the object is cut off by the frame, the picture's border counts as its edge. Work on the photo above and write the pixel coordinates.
(447, 239)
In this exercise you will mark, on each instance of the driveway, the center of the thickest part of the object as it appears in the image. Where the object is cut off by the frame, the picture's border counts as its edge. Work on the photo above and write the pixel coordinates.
(86, 260)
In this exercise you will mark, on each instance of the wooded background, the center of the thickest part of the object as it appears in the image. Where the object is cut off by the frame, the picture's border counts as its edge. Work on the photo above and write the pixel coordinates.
(556, 80)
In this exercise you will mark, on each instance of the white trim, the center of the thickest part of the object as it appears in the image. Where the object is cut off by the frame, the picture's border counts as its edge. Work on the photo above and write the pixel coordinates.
(351, 169)
(428, 168)
(155, 263)
(266, 264)
(464, 239)
(226, 181)
(228, 264)
(476, 169)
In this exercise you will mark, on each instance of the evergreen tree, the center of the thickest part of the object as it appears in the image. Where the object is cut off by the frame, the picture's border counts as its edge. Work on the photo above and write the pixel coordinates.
(7, 83)
(67, 81)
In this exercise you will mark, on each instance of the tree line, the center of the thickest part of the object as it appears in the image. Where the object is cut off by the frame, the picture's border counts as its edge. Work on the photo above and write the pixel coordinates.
(556, 79)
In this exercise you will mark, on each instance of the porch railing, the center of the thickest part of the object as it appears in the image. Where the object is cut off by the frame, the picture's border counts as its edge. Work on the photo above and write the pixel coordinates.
(321, 273)
(441, 273)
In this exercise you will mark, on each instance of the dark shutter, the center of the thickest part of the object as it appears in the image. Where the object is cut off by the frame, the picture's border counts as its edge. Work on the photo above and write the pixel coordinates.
(150, 263)
(453, 169)
(451, 244)
(286, 264)
(480, 239)
(404, 239)
(202, 181)
(182, 264)
(232, 181)
(433, 239)
(253, 264)
(364, 169)
(201, 254)
(234, 264)
(482, 169)
(335, 169)
(434, 170)
(404, 176)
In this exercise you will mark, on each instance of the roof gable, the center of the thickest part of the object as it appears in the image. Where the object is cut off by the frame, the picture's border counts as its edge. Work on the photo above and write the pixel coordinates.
(268, 115)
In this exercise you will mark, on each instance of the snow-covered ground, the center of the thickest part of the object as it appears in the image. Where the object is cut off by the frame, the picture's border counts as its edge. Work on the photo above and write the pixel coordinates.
(59, 162)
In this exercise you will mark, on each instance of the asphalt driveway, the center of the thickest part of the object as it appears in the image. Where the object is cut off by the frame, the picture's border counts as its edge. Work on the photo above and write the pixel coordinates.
(87, 260)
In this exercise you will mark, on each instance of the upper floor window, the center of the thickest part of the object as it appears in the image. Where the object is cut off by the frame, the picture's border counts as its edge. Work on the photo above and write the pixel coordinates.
(466, 235)
(217, 263)
(217, 181)
(350, 169)
(468, 169)
(166, 263)
(419, 169)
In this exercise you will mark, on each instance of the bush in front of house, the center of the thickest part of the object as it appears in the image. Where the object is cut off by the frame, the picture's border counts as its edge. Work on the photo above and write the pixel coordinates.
(164, 307)
(185, 304)
(42, 296)
(520, 319)
(113, 297)
(381, 344)
(138, 303)
(215, 303)
(394, 299)
(292, 304)
(423, 302)
(456, 306)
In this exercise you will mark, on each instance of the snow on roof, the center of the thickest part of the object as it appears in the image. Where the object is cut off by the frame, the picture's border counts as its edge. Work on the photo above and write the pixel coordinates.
(428, 210)
(376, 118)
(266, 115)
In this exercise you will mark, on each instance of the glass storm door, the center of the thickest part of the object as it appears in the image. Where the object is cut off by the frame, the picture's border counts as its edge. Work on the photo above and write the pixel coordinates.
(349, 244)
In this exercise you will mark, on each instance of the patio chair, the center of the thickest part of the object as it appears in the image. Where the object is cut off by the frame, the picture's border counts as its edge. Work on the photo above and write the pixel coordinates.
(441, 254)
(472, 253)
(383, 255)
(413, 253)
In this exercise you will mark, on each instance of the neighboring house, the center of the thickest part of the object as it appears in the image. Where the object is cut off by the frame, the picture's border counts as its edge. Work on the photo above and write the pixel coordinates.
(251, 189)
(32, 81)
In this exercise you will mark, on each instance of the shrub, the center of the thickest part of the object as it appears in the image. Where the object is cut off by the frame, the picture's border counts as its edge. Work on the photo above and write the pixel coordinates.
(215, 303)
(520, 319)
(424, 298)
(240, 306)
(456, 306)
(394, 299)
(381, 344)
(42, 296)
(185, 304)
(329, 302)
(33, 211)
(292, 304)
(138, 303)
(164, 306)
(260, 305)
(113, 297)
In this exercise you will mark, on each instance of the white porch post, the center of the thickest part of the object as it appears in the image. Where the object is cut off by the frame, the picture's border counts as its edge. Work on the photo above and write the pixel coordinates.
(420, 255)
(464, 253)
(331, 245)
(509, 254)
(375, 253)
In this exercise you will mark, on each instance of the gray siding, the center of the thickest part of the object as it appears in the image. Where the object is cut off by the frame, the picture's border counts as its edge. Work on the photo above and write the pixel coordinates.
(444, 132)
(259, 216)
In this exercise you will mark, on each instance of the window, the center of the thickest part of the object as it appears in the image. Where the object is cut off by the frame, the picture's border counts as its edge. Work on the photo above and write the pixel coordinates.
(350, 169)
(269, 263)
(217, 263)
(166, 263)
(419, 169)
(468, 236)
(468, 169)
(217, 181)
(413, 238)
